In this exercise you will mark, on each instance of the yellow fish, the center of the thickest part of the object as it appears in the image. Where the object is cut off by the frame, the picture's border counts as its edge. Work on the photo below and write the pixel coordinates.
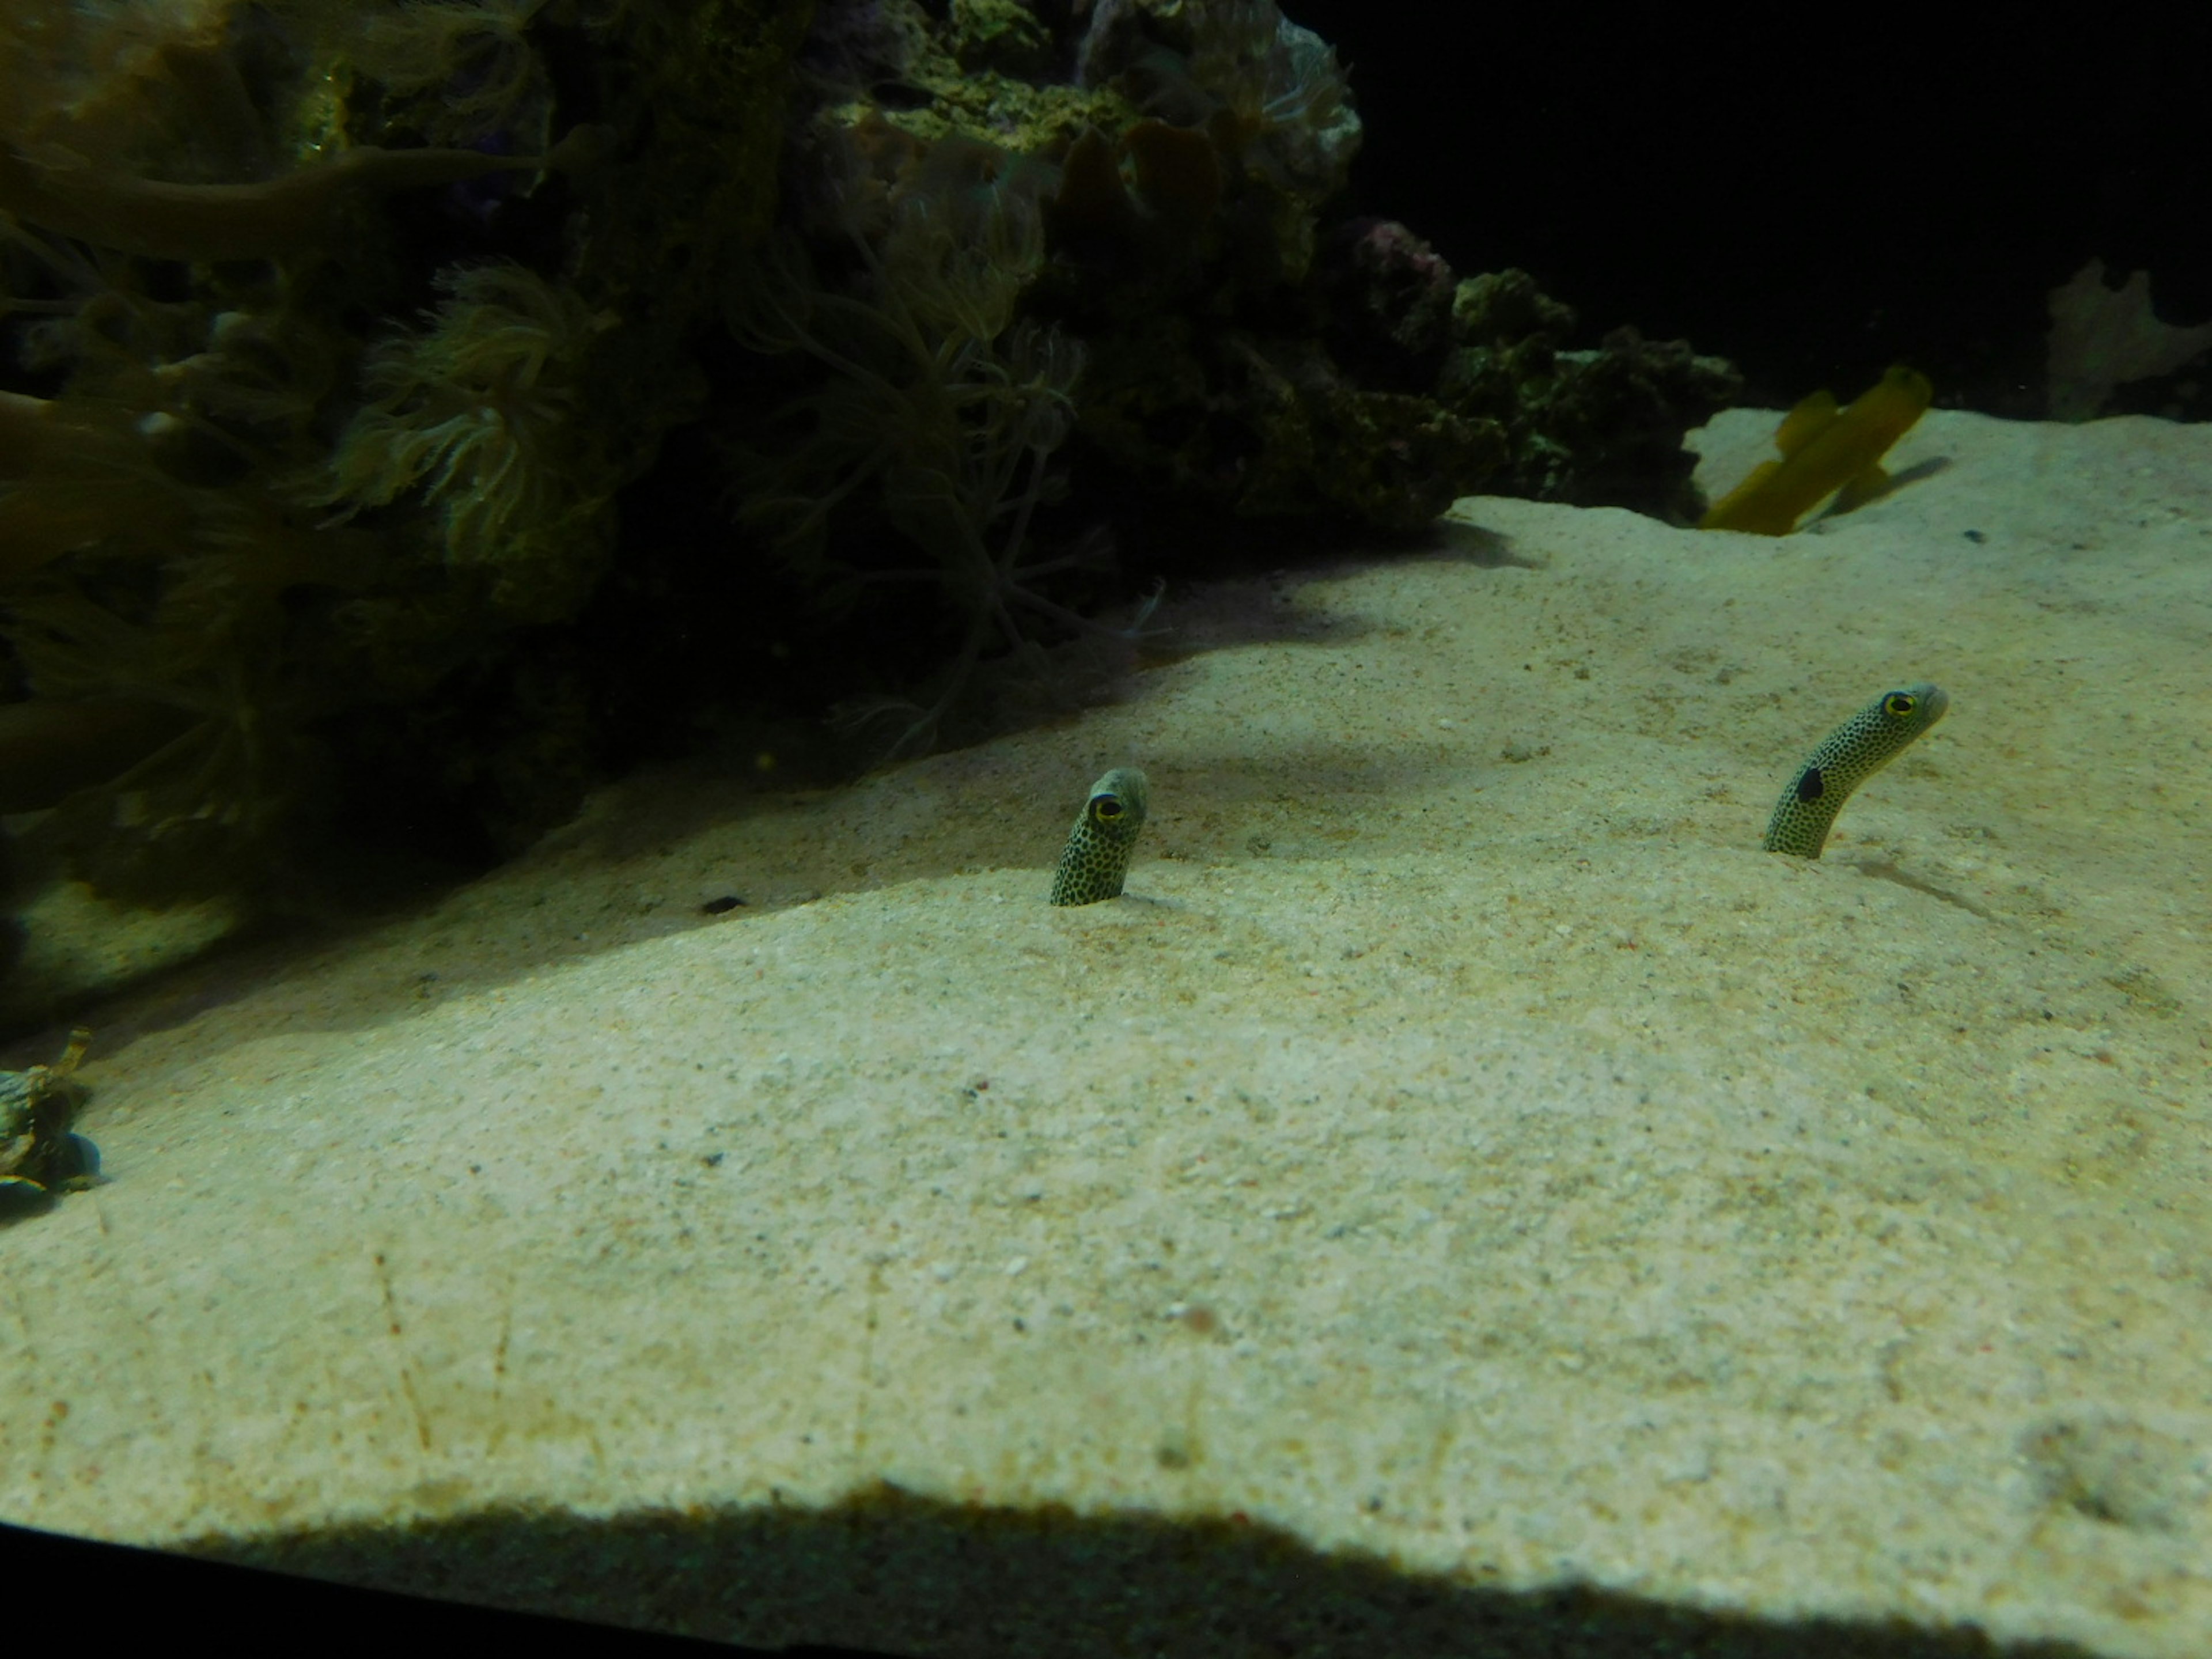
(1824, 450)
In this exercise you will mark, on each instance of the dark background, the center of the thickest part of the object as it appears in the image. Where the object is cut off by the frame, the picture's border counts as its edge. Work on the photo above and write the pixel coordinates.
(1813, 191)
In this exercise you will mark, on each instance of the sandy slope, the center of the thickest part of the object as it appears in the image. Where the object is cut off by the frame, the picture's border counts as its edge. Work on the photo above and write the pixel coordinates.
(1464, 1146)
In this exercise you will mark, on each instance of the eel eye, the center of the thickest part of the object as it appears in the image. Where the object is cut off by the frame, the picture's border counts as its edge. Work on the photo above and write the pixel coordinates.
(1900, 703)
(1106, 807)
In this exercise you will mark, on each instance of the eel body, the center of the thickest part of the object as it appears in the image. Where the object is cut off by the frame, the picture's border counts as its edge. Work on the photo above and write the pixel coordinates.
(1847, 757)
(1096, 860)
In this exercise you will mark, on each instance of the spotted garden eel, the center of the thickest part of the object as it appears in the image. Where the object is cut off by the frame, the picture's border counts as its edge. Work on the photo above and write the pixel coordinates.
(1846, 758)
(1097, 858)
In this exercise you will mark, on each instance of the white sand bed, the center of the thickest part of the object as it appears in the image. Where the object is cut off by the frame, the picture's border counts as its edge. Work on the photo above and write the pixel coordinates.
(1465, 1154)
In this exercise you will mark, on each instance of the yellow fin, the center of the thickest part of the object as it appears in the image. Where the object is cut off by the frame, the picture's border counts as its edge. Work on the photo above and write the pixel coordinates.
(1857, 492)
(1799, 425)
(1723, 514)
